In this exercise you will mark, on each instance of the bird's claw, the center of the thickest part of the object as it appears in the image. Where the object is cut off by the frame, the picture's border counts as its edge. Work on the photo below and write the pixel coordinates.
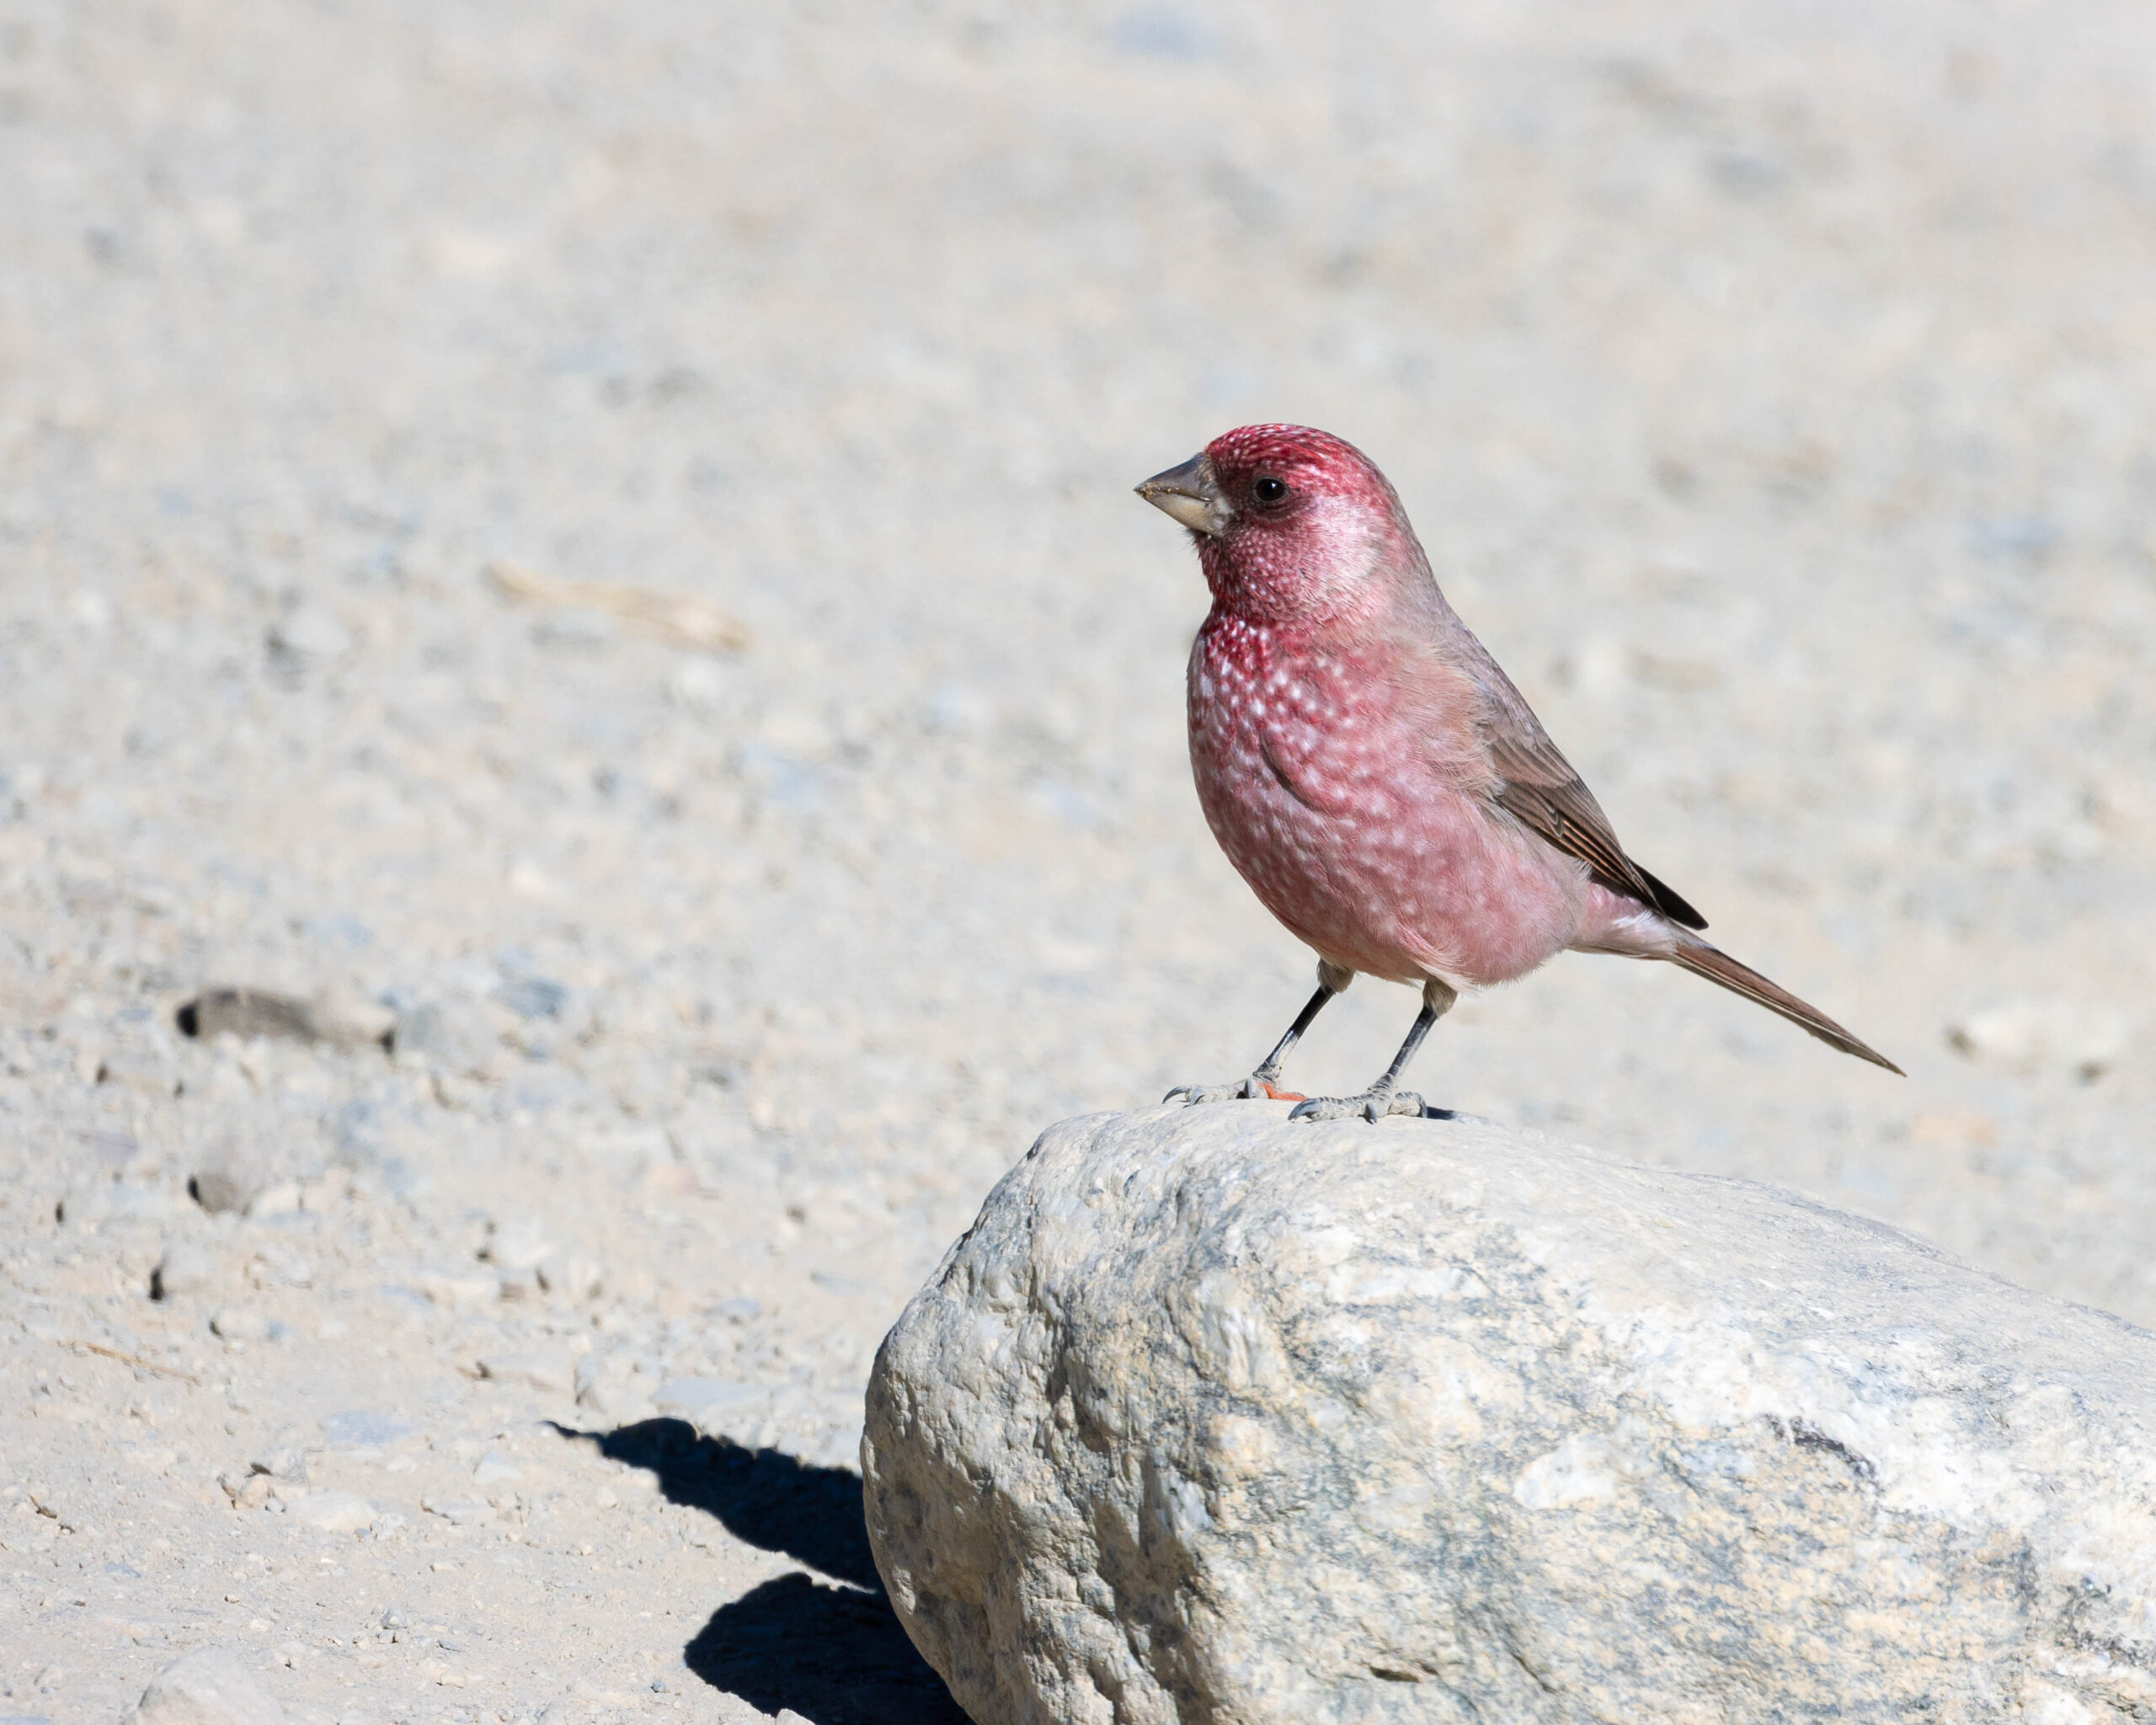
(1242, 1090)
(1372, 1105)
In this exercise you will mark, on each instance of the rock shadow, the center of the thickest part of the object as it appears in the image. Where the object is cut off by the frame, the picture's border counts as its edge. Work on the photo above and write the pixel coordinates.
(836, 1655)
(770, 1500)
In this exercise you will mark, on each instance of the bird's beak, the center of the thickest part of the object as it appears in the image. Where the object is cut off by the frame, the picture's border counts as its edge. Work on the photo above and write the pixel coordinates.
(1191, 494)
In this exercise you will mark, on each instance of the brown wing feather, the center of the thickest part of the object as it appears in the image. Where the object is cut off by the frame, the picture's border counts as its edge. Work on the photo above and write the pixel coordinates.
(1536, 784)
(1542, 789)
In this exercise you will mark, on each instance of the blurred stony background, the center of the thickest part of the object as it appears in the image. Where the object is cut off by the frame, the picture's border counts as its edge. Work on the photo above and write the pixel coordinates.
(389, 392)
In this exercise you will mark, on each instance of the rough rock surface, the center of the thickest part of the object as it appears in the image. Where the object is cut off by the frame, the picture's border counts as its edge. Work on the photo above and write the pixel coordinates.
(1213, 1418)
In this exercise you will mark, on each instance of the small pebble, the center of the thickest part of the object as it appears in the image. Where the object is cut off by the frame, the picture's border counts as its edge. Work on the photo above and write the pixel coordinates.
(183, 1268)
(281, 1199)
(571, 1276)
(532, 1371)
(285, 1459)
(457, 1515)
(495, 1468)
(309, 633)
(357, 1429)
(464, 1292)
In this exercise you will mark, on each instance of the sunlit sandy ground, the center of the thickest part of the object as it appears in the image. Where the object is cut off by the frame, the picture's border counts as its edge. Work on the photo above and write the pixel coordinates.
(1773, 390)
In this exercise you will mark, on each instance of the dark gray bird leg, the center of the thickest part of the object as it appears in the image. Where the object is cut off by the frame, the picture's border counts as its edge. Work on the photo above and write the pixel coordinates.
(1331, 979)
(1381, 1099)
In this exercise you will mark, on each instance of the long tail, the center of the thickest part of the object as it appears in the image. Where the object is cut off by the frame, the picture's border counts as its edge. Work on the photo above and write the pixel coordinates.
(1718, 967)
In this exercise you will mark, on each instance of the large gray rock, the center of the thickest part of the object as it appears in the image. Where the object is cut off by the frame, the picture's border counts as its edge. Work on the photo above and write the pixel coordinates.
(1210, 1416)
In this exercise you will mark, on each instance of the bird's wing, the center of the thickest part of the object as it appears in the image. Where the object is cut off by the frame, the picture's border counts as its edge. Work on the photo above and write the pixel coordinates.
(1540, 788)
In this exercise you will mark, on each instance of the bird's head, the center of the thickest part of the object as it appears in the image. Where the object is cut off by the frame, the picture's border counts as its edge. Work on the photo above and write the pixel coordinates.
(1293, 526)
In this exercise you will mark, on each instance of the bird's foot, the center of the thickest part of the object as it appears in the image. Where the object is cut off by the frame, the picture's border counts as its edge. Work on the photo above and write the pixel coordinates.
(1371, 1105)
(1242, 1090)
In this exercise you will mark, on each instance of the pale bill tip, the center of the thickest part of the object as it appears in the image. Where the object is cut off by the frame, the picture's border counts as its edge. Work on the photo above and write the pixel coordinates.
(1195, 513)
(1191, 494)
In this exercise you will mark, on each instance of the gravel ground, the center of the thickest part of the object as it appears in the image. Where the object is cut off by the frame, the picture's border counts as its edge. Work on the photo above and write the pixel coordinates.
(1772, 386)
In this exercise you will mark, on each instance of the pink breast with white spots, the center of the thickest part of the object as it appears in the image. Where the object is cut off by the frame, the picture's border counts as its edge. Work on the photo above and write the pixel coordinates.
(1327, 798)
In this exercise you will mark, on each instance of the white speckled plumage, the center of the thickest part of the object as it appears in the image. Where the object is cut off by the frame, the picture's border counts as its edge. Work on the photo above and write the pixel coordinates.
(1327, 801)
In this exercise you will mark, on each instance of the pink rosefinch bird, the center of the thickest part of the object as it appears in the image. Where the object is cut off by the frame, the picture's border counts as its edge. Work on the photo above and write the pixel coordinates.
(1376, 778)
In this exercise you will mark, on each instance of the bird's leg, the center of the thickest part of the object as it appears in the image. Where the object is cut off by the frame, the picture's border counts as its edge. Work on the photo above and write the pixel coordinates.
(1331, 979)
(1381, 1099)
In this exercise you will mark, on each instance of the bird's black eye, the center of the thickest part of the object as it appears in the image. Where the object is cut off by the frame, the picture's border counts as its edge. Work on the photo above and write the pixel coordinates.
(1270, 489)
